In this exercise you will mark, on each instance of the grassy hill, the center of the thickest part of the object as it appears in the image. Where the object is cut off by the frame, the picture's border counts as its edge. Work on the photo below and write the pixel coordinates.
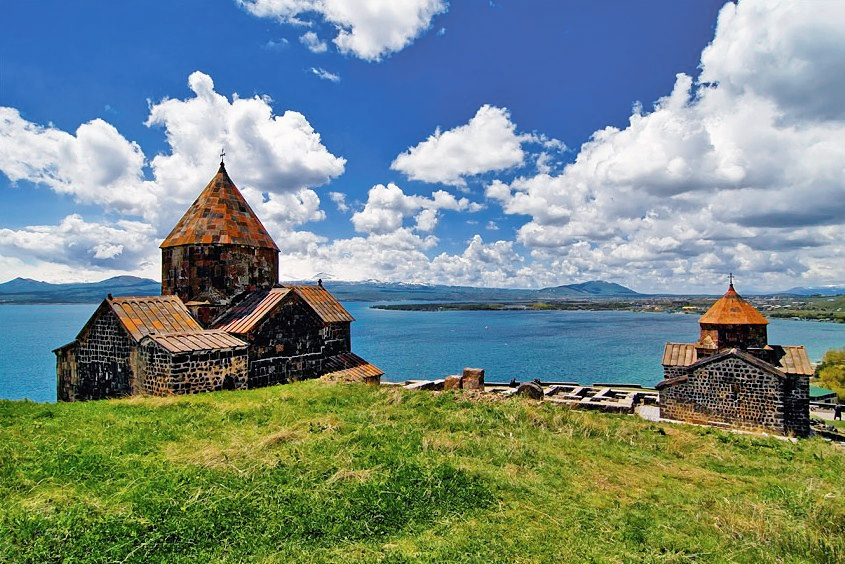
(313, 472)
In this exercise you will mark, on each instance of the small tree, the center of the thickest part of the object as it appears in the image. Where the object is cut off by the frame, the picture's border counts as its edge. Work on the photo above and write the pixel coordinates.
(831, 371)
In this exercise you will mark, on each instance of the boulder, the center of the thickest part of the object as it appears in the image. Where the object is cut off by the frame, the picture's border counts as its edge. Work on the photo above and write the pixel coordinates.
(532, 390)
(452, 383)
(473, 379)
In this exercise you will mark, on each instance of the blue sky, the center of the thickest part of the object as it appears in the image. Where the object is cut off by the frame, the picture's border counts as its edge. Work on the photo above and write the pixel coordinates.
(658, 144)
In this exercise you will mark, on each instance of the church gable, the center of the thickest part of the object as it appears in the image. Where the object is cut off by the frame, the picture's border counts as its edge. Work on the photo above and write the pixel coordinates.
(101, 354)
(732, 388)
(292, 333)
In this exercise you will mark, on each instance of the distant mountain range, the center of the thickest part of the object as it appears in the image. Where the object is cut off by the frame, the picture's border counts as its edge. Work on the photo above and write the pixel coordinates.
(817, 291)
(374, 291)
(25, 290)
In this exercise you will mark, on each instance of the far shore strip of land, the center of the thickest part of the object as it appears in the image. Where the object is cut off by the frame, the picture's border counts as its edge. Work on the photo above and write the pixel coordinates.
(814, 308)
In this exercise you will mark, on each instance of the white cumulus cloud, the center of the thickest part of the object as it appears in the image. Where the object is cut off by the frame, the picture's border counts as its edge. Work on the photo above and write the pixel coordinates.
(388, 206)
(489, 142)
(275, 154)
(279, 159)
(96, 165)
(75, 243)
(367, 29)
(742, 172)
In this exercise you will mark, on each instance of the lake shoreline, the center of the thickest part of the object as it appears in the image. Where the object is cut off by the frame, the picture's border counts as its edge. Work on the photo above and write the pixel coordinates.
(691, 307)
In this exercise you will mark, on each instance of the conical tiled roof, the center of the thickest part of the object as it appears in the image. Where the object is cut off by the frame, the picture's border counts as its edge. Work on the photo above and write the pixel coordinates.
(731, 309)
(220, 215)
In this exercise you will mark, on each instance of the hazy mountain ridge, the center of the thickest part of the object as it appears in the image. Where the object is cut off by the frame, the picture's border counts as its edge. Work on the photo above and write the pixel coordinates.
(24, 290)
(28, 291)
(817, 291)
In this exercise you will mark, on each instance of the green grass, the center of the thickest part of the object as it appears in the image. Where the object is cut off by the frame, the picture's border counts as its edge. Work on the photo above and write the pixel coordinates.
(312, 472)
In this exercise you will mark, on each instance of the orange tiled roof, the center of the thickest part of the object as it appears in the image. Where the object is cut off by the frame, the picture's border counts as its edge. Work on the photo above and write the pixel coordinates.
(679, 354)
(796, 361)
(207, 340)
(793, 360)
(254, 308)
(244, 316)
(350, 367)
(220, 215)
(731, 309)
(323, 303)
(153, 314)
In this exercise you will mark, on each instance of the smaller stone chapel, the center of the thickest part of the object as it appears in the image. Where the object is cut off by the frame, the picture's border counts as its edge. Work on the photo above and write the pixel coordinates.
(222, 321)
(733, 377)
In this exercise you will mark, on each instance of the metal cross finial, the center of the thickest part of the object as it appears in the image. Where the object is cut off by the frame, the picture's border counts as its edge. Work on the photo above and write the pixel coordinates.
(731, 278)
(222, 154)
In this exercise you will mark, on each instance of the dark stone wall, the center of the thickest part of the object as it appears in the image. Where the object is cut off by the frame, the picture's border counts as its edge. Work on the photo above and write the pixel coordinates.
(674, 371)
(738, 394)
(216, 272)
(293, 344)
(165, 374)
(67, 376)
(103, 362)
(735, 336)
(796, 405)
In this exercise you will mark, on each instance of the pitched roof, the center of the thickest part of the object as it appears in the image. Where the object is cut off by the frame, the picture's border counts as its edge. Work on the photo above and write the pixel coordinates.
(731, 309)
(790, 359)
(795, 361)
(244, 316)
(153, 314)
(250, 311)
(220, 215)
(747, 357)
(349, 367)
(207, 340)
(679, 354)
(323, 303)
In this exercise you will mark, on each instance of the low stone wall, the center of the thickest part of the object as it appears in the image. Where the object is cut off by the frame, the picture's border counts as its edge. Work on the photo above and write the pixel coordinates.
(190, 372)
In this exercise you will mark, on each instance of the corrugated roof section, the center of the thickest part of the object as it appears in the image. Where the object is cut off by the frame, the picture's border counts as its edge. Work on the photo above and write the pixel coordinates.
(731, 309)
(350, 367)
(796, 361)
(679, 354)
(323, 303)
(244, 316)
(153, 314)
(220, 215)
(207, 340)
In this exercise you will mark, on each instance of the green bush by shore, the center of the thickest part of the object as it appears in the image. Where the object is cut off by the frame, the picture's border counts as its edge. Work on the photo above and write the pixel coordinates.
(314, 472)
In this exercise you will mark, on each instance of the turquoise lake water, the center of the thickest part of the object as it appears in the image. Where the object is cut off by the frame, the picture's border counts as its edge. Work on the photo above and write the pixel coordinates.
(577, 346)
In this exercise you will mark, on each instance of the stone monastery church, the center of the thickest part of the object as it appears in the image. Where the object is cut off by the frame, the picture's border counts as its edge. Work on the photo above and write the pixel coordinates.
(733, 377)
(222, 320)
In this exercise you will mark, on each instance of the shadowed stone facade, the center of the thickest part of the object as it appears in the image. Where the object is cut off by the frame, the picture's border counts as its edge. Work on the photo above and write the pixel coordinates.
(216, 273)
(169, 364)
(733, 377)
(222, 321)
(102, 355)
